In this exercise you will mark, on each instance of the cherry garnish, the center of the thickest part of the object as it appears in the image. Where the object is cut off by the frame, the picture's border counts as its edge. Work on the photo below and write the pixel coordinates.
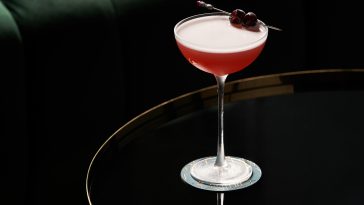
(237, 17)
(249, 19)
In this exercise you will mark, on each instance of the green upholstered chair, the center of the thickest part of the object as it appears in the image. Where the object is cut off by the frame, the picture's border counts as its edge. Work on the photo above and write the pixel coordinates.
(72, 73)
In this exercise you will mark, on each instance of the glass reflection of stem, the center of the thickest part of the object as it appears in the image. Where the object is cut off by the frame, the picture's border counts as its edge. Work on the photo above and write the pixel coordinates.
(220, 158)
(220, 198)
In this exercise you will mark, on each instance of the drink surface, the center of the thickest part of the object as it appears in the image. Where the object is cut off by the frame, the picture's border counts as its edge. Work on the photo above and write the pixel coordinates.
(213, 45)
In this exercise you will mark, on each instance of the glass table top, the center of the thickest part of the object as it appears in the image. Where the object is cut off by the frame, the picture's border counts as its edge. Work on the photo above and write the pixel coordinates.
(305, 130)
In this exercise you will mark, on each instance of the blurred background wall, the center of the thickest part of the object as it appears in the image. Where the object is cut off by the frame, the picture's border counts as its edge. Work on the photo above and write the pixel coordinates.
(72, 72)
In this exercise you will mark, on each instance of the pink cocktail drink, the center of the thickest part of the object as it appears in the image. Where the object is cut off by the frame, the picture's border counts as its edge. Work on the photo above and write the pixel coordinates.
(215, 46)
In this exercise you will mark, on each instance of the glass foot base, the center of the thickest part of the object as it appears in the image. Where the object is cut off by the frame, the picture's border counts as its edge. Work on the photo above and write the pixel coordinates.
(234, 172)
(237, 174)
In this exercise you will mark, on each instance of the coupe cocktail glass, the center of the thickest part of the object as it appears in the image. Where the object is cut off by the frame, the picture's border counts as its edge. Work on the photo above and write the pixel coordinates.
(212, 44)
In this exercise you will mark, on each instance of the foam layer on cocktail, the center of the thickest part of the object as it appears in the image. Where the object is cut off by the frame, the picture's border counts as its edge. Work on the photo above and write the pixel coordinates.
(216, 34)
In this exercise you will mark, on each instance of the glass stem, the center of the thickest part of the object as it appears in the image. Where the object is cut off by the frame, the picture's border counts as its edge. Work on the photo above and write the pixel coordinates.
(220, 198)
(220, 158)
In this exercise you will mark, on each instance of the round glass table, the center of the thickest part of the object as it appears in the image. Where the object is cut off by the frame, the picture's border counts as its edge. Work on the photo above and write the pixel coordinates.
(305, 130)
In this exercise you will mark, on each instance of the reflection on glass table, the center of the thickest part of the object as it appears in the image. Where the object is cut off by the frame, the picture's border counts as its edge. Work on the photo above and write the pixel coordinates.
(304, 129)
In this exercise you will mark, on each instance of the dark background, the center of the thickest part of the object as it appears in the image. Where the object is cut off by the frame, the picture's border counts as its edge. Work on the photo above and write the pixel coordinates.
(72, 72)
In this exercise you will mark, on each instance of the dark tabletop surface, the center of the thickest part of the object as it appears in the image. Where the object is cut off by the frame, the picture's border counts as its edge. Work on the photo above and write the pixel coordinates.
(305, 130)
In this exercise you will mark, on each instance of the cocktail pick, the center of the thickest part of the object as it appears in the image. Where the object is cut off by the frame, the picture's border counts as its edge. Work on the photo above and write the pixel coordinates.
(238, 16)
